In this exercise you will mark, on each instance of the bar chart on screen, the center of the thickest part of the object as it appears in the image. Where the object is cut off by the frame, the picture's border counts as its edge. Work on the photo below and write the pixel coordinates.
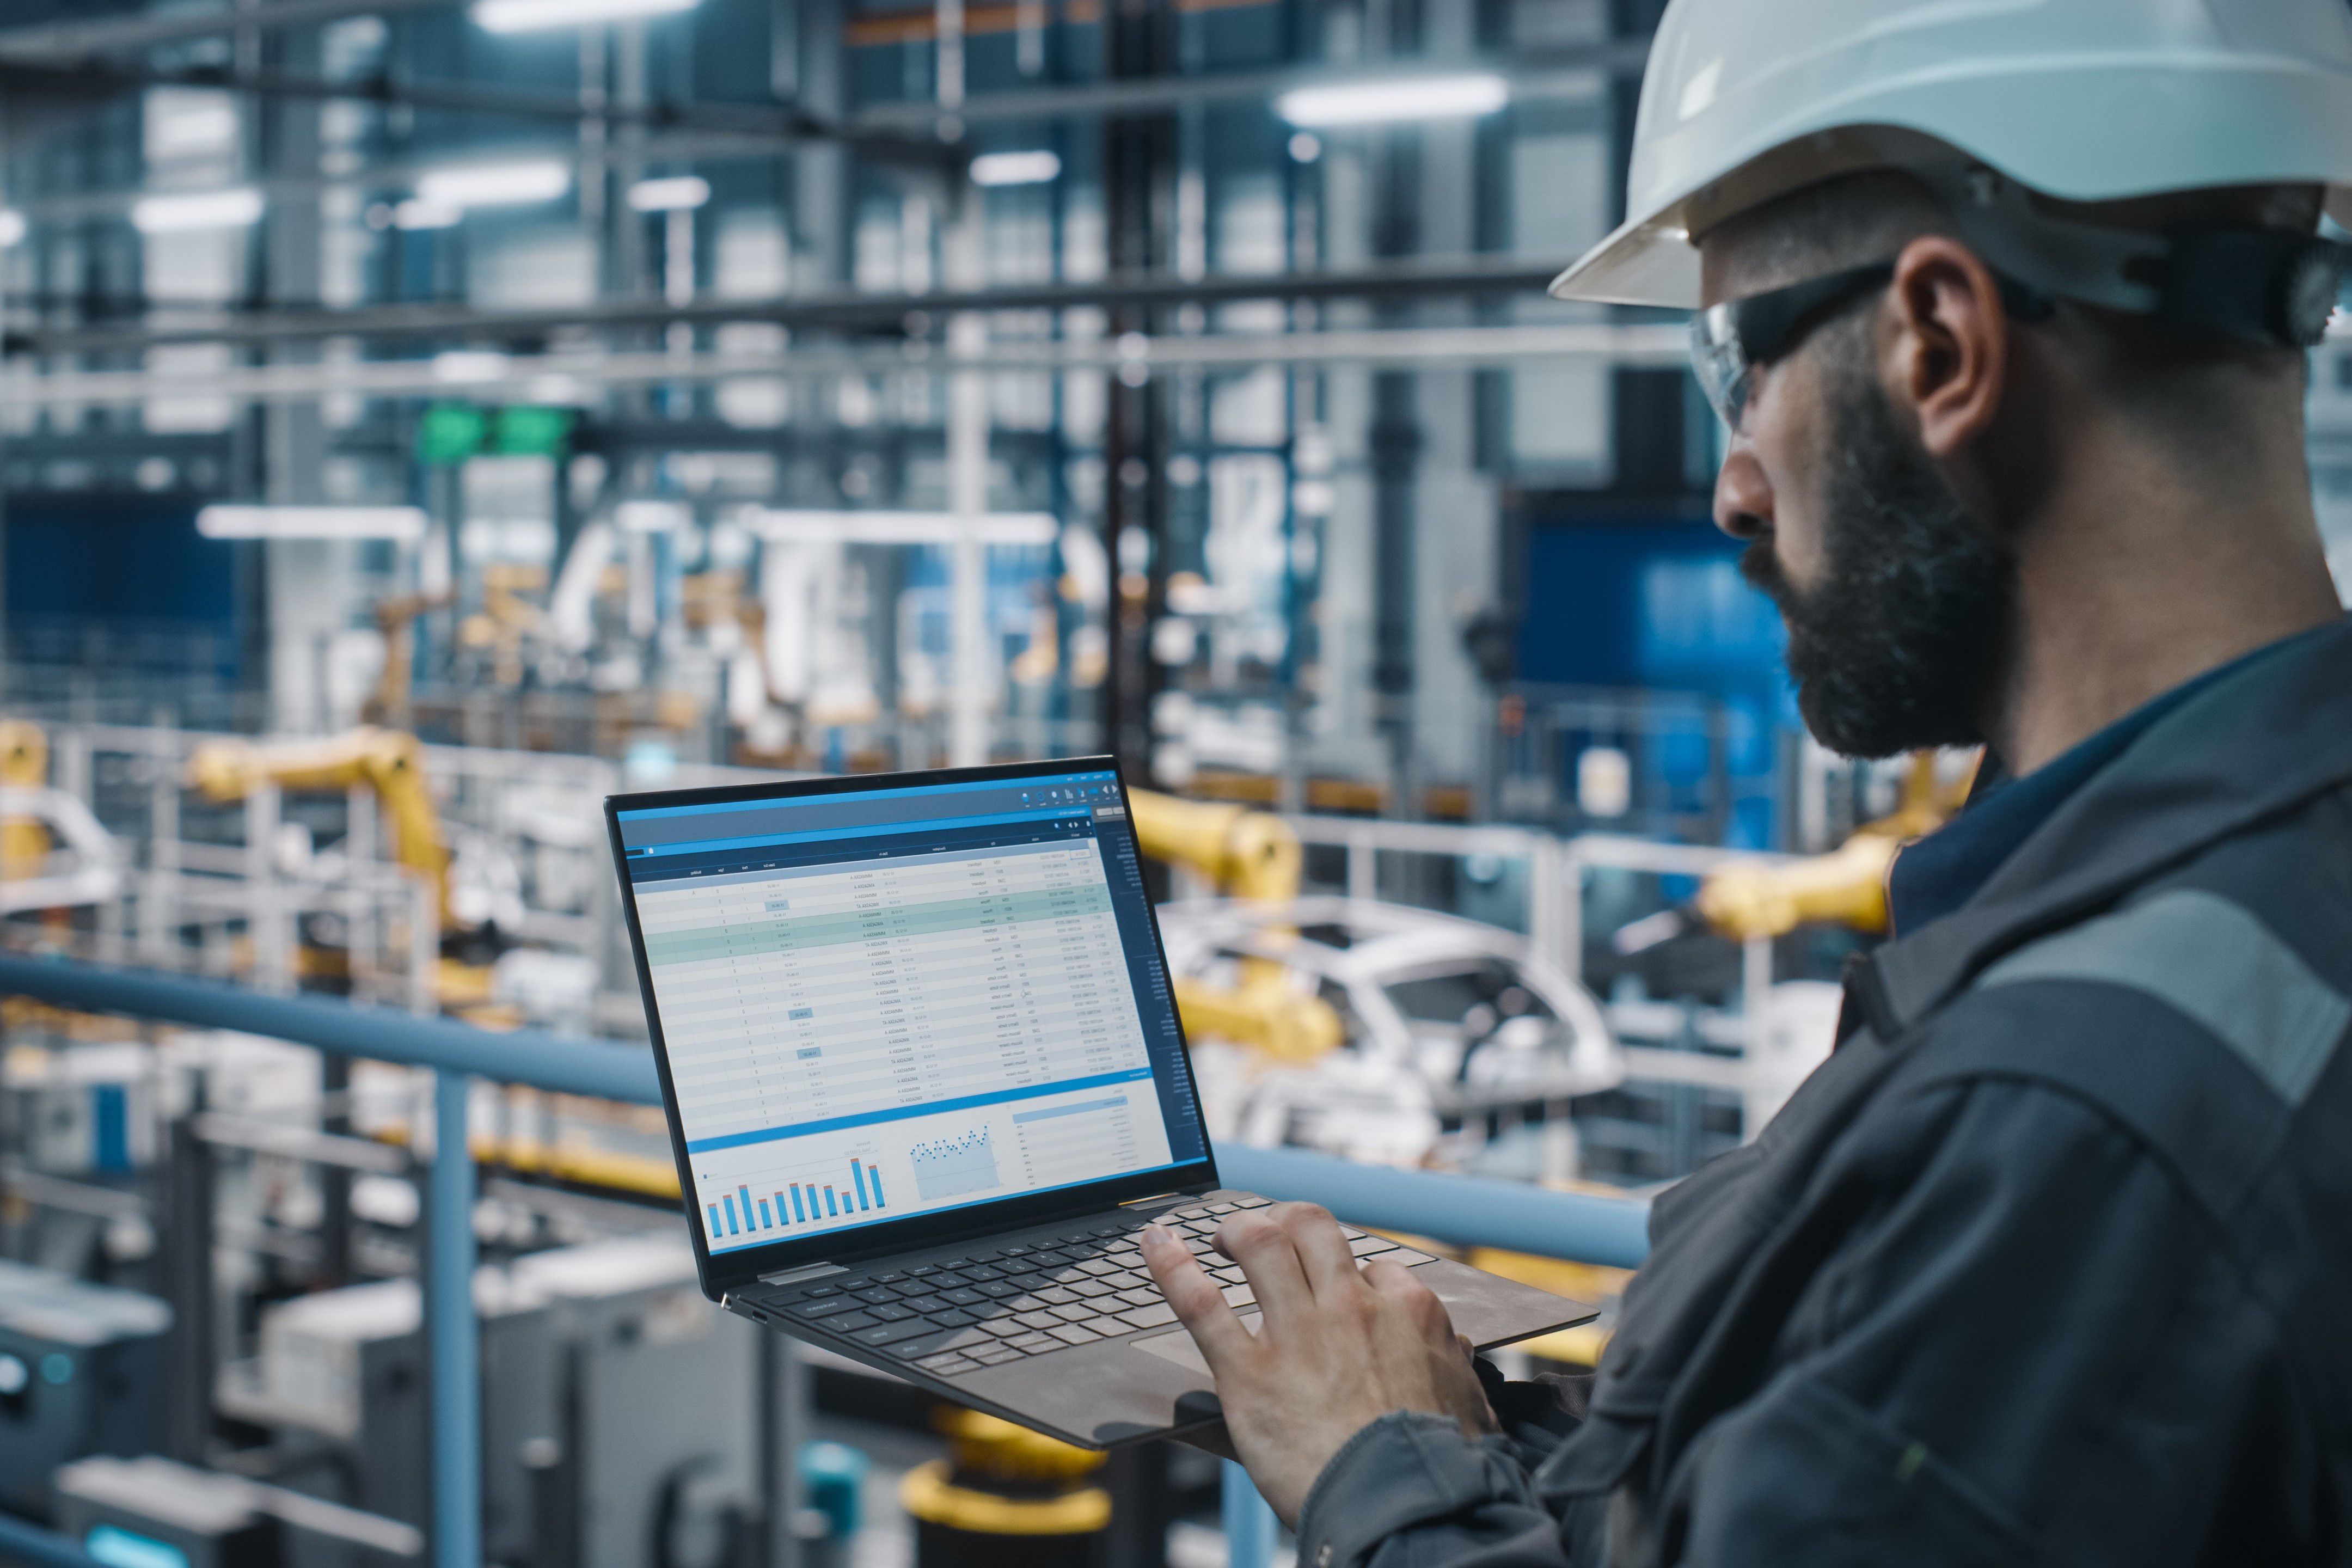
(783, 1199)
(950, 1167)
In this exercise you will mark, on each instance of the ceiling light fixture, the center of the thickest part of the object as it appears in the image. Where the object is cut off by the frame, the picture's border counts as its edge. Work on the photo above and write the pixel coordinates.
(539, 16)
(1378, 102)
(240, 207)
(1035, 168)
(460, 367)
(494, 185)
(676, 193)
(417, 214)
(11, 226)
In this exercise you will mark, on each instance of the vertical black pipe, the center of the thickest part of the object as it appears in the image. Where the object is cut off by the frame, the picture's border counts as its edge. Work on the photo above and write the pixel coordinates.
(188, 1285)
(1138, 40)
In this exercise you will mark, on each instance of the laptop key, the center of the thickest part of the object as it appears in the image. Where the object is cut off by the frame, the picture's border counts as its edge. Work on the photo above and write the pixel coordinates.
(1098, 1266)
(1371, 1246)
(1148, 1317)
(963, 1297)
(1091, 1289)
(945, 1364)
(877, 1296)
(1006, 1328)
(892, 1313)
(999, 1290)
(891, 1277)
(949, 1317)
(1140, 1297)
(1077, 1313)
(998, 1356)
(1038, 1321)
(891, 1333)
(818, 1292)
(826, 1309)
(851, 1322)
(1071, 1334)
(948, 1279)
(925, 1305)
(1239, 1296)
(1055, 1295)
(922, 1270)
(1031, 1345)
(1015, 1251)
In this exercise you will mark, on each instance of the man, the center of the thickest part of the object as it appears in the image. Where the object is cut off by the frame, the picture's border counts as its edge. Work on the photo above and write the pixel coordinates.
(2007, 306)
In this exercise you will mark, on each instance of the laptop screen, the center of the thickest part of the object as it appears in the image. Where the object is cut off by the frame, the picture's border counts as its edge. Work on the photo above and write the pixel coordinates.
(897, 1000)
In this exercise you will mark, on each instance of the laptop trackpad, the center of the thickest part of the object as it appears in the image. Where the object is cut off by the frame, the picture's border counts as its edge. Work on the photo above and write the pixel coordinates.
(1178, 1346)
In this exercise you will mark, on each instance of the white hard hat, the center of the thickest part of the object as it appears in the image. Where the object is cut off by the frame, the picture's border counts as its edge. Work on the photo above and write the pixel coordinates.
(2086, 101)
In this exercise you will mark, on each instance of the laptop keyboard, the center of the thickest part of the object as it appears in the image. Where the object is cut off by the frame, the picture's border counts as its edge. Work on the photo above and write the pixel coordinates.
(959, 1314)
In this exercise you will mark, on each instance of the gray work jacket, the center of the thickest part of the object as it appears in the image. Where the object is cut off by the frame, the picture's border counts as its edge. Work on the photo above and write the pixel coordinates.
(2051, 1260)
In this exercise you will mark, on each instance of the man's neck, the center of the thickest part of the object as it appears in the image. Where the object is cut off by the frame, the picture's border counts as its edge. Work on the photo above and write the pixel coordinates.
(2128, 589)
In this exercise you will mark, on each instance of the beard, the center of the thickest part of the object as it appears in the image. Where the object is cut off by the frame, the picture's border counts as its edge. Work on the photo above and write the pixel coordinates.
(1898, 647)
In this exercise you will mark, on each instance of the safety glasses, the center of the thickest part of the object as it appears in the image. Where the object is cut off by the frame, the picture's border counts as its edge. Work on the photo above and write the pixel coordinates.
(1731, 341)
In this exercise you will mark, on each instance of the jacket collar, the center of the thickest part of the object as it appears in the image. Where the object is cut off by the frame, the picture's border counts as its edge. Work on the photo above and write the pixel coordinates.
(2258, 743)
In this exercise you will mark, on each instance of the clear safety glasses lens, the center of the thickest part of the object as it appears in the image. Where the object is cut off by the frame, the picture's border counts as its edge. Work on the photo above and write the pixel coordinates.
(1720, 360)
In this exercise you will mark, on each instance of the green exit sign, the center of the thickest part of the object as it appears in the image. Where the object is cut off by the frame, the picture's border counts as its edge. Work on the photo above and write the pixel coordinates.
(450, 433)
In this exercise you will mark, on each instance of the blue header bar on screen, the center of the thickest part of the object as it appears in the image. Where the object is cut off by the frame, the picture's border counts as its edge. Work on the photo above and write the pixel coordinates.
(798, 818)
(704, 845)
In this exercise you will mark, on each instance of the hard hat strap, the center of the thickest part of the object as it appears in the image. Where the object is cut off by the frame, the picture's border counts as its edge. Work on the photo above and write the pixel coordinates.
(2265, 286)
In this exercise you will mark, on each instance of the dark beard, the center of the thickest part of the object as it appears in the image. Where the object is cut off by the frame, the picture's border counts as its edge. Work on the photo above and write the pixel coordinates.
(1898, 647)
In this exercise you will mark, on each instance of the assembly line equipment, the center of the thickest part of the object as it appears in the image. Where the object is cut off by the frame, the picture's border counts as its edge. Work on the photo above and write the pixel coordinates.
(1459, 1210)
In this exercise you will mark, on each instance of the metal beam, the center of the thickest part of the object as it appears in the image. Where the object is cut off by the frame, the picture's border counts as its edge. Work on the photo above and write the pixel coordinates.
(852, 311)
(764, 126)
(562, 377)
(1462, 1211)
(1572, 74)
(143, 30)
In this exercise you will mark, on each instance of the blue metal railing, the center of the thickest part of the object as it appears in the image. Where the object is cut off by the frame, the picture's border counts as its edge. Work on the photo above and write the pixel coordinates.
(1455, 1209)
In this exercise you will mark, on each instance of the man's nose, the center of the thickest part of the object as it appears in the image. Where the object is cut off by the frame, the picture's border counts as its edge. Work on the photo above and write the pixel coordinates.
(1743, 496)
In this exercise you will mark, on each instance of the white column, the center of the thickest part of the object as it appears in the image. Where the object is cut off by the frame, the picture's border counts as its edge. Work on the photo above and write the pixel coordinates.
(973, 679)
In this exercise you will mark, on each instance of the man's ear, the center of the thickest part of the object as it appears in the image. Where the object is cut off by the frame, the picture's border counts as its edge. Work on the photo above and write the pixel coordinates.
(1947, 357)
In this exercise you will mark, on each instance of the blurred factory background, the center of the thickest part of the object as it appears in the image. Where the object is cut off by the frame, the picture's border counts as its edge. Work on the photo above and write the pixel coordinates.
(420, 418)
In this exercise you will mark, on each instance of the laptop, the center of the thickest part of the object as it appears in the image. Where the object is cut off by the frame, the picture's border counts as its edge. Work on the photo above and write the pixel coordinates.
(926, 1085)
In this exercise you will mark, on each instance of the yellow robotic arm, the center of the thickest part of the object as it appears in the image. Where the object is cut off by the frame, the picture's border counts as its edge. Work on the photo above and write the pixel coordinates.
(1748, 899)
(387, 761)
(24, 765)
(1253, 856)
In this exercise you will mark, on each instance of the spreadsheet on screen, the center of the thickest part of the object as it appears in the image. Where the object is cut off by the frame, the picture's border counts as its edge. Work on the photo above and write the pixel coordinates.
(902, 1000)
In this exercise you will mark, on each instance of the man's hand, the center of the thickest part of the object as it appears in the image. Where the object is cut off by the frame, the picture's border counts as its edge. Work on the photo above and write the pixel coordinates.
(1337, 1346)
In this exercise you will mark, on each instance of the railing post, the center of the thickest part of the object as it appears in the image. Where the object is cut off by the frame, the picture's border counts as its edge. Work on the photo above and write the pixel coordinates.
(1249, 1525)
(452, 1333)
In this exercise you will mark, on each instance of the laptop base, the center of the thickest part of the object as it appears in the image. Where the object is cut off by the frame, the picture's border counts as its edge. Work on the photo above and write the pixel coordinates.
(1057, 1327)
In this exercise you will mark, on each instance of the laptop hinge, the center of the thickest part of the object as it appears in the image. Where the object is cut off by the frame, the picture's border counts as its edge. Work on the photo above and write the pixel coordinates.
(805, 1271)
(1154, 1198)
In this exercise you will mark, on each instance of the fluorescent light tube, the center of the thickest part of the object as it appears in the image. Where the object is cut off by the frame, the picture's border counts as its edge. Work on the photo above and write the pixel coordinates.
(1015, 168)
(406, 523)
(674, 194)
(494, 185)
(238, 207)
(460, 366)
(1373, 103)
(415, 215)
(11, 226)
(536, 16)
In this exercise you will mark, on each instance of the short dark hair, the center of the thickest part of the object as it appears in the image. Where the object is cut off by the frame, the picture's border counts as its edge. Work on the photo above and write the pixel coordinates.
(2176, 375)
